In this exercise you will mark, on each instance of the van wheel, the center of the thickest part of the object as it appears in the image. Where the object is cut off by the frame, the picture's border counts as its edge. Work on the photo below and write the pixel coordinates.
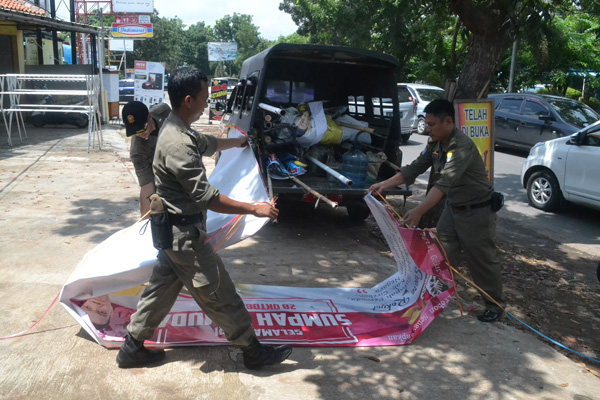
(358, 212)
(421, 126)
(405, 138)
(38, 121)
(82, 122)
(543, 191)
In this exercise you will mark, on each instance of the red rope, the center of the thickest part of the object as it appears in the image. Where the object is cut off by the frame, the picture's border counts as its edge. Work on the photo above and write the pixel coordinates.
(32, 326)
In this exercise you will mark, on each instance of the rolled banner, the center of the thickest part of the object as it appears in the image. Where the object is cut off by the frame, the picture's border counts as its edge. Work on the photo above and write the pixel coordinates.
(275, 110)
(345, 180)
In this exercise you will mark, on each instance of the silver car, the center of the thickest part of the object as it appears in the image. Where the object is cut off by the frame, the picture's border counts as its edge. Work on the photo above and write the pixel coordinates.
(412, 98)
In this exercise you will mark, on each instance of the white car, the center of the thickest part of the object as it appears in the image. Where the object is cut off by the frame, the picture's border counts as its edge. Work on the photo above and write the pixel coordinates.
(412, 99)
(564, 169)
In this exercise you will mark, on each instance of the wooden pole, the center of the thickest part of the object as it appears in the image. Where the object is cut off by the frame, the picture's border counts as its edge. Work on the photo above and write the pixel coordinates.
(357, 127)
(313, 192)
(392, 165)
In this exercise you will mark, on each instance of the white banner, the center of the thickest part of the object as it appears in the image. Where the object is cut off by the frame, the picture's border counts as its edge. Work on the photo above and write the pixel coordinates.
(133, 6)
(222, 51)
(120, 44)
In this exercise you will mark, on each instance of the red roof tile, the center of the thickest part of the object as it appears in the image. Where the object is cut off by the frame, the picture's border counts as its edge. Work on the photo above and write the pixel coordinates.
(21, 6)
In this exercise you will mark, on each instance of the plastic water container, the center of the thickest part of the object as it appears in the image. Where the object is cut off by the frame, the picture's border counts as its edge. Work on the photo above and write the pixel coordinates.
(355, 166)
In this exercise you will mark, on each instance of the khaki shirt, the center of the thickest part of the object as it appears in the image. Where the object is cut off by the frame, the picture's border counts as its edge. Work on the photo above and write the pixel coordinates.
(180, 175)
(142, 150)
(462, 175)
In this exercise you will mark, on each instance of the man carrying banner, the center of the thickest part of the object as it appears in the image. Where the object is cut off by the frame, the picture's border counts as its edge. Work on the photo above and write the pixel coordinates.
(468, 222)
(144, 126)
(187, 259)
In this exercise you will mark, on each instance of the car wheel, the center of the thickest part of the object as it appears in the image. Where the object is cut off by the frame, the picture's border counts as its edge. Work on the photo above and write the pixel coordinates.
(543, 191)
(421, 126)
(405, 138)
(38, 121)
(358, 212)
(82, 122)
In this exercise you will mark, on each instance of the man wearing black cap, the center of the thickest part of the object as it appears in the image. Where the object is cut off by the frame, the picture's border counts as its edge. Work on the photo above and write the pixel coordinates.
(144, 126)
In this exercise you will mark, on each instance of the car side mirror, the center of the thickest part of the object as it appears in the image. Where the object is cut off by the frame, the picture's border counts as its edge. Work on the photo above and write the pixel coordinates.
(544, 116)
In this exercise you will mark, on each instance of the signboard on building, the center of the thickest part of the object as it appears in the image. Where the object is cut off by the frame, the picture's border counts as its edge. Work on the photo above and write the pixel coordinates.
(149, 82)
(120, 44)
(222, 51)
(132, 19)
(475, 118)
(218, 99)
(132, 30)
(133, 6)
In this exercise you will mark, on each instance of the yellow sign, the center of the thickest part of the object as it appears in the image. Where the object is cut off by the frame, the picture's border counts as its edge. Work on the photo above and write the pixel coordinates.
(476, 120)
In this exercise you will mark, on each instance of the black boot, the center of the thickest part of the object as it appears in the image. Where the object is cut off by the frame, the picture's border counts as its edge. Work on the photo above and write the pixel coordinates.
(257, 355)
(134, 354)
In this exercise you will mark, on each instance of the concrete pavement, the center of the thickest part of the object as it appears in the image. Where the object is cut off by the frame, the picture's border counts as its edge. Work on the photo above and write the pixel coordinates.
(57, 202)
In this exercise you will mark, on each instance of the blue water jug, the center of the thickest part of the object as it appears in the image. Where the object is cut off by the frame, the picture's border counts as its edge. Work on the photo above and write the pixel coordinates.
(355, 166)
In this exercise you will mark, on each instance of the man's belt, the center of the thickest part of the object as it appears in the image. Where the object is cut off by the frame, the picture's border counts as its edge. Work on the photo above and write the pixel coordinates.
(181, 220)
(472, 206)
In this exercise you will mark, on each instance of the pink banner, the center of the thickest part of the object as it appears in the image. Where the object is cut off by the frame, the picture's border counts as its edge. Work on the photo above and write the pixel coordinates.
(393, 312)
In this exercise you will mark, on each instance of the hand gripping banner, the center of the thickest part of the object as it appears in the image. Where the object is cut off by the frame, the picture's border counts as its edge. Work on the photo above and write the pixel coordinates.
(103, 292)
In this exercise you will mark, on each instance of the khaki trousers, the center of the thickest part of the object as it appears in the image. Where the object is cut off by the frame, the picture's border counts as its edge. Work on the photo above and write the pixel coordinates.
(473, 232)
(194, 264)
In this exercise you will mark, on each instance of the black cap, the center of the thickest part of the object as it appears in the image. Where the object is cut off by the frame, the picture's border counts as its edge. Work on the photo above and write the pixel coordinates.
(135, 117)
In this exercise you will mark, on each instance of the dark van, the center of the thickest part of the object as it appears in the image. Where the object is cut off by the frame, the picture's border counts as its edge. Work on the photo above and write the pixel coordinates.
(284, 96)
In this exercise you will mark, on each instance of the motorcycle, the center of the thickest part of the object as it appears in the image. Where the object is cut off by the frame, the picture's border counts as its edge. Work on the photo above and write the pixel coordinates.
(41, 118)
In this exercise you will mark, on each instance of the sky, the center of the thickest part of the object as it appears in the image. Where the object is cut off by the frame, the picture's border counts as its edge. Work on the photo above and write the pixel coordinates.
(265, 14)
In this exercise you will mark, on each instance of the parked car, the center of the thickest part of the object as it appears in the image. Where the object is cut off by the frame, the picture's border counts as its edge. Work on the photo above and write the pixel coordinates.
(345, 83)
(126, 89)
(564, 169)
(412, 98)
(523, 120)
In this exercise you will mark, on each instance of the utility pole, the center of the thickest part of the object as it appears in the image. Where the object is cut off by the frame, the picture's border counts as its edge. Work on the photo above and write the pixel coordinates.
(513, 66)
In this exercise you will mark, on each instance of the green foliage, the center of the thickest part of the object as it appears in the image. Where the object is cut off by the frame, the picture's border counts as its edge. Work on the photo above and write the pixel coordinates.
(167, 44)
(593, 103)
(558, 40)
(293, 38)
(573, 93)
(195, 46)
(558, 52)
(176, 46)
(240, 29)
(417, 33)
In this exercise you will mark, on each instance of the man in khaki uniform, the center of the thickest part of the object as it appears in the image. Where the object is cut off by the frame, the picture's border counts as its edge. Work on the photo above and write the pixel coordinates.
(143, 127)
(467, 222)
(186, 194)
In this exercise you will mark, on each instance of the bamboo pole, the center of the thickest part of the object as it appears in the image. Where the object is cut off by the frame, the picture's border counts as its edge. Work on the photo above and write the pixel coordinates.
(357, 127)
(392, 165)
(314, 192)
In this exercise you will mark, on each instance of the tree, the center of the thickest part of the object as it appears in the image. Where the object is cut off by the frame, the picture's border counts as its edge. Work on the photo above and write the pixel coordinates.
(397, 27)
(239, 28)
(561, 52)
(195, 47)
(166, 45)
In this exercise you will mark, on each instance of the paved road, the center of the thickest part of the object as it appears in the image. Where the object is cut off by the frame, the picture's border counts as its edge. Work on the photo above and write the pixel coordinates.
(576, 227)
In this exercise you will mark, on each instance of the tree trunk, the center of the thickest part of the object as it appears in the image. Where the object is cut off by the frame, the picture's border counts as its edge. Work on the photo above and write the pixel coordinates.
(481, 65)
(487, 22)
